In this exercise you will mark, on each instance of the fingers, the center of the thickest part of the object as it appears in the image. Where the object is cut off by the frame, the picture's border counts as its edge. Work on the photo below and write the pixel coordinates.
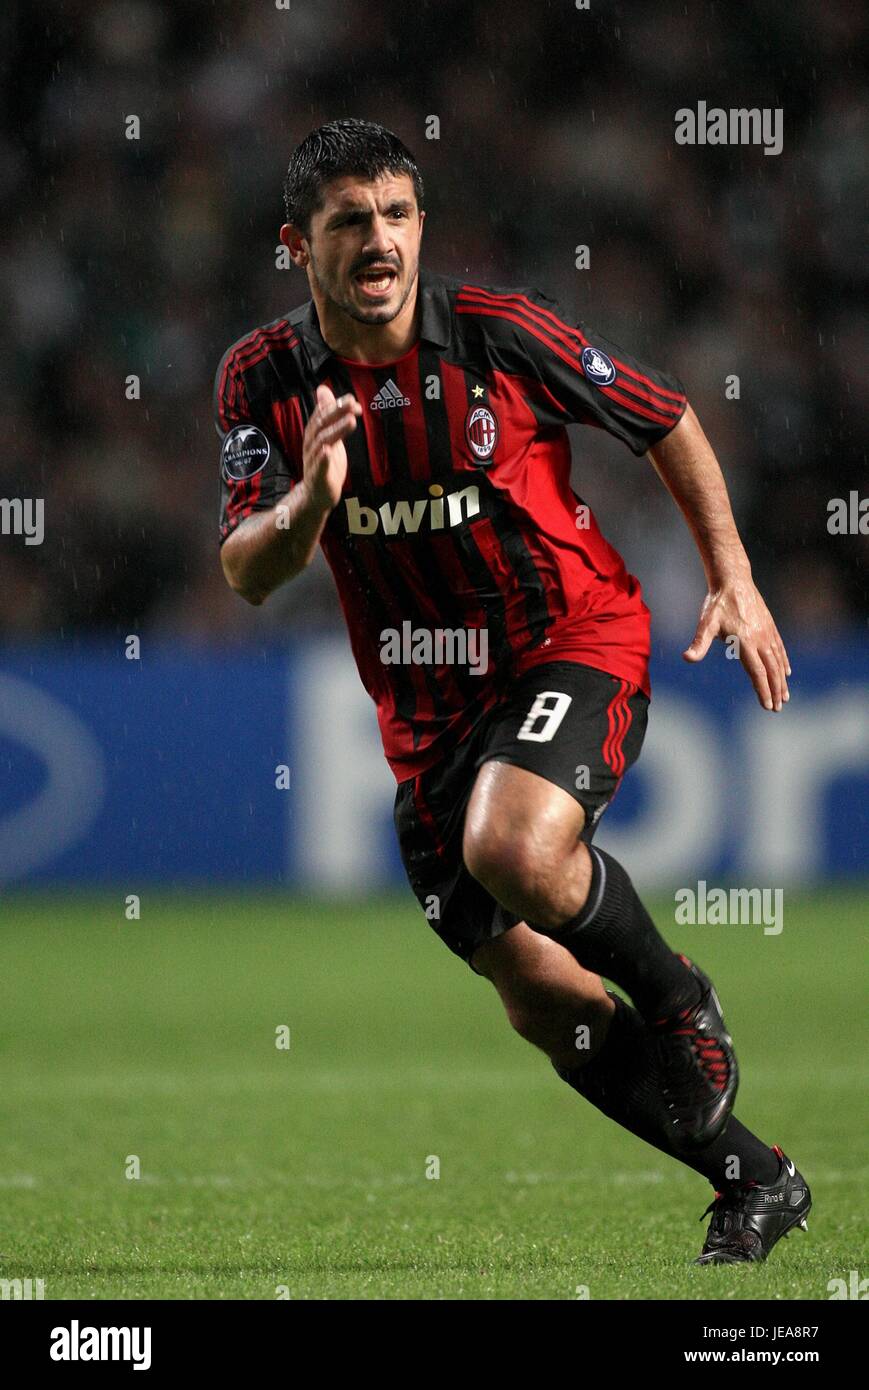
(783, 667)
(757, 671)
(337, 430)
(328, 409)
(702, 641)
(775, 676)
(332, 420)
(772, 654)
(327, 401)
(732, 614)
(783, 659)
(767, 666)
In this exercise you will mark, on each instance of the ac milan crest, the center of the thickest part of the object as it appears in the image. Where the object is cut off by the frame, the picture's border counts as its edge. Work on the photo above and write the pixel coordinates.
(481, 432)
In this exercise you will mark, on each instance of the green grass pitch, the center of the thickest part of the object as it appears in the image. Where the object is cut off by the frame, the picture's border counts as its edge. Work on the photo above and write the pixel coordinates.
(304, 1169)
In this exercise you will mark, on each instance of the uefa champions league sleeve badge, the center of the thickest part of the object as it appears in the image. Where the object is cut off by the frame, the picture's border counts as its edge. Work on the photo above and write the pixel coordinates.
(245, 453)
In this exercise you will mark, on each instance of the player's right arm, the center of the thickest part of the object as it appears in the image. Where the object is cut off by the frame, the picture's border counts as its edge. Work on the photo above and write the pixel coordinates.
(270, 547)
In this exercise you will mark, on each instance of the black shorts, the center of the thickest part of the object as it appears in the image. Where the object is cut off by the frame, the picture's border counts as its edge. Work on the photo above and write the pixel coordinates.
(573, 725)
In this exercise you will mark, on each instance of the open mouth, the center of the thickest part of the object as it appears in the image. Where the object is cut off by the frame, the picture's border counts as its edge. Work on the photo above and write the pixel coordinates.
(375, 282)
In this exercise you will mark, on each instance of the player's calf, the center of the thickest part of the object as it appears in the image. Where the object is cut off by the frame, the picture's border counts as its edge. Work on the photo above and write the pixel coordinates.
(584, 899)
(522, 843)
(549, 999)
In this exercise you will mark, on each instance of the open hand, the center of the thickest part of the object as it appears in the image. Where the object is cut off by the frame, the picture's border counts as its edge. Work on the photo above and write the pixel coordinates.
(735, 608)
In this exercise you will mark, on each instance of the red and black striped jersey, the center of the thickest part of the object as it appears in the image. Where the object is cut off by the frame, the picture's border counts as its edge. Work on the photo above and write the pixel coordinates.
(457, 515)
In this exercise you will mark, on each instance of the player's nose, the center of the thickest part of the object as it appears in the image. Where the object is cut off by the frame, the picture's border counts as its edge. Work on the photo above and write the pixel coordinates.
(380, 241)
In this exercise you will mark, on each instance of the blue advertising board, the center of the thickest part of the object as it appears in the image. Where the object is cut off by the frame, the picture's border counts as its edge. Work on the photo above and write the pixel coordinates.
(263, 765)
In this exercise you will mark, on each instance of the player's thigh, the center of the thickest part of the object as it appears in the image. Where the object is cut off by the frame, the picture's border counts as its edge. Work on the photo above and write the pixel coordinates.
(518, 820)
(555, 753)
(429, 815)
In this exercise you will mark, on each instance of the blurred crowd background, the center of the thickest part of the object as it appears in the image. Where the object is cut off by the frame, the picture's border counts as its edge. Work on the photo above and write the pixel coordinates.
(151, 256)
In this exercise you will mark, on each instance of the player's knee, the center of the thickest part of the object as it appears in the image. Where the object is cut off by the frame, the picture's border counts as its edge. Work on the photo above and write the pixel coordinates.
(485, 854)
(511, 867)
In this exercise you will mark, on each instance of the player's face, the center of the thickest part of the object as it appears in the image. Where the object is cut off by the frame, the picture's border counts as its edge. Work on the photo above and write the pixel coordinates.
(364, 246)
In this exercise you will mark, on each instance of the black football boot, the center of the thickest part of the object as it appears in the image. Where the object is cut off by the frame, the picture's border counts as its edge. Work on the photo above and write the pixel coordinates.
(749, 1218)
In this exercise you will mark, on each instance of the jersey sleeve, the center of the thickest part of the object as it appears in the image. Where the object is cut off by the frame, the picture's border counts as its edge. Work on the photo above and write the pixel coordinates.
(584, 378)
(254, 470)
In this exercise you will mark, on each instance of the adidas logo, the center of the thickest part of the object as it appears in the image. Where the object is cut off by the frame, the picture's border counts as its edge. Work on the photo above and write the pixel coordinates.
(389, 398)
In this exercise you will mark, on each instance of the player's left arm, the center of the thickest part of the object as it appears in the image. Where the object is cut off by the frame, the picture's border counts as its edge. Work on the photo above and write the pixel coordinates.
(733, 607)
(581, 377)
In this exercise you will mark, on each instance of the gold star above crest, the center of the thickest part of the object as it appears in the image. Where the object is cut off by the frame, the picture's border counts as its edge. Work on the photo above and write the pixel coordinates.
(479, 391)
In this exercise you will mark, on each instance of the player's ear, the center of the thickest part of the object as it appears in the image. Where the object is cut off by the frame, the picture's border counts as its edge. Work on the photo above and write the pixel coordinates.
(421, 220)
(295, 243)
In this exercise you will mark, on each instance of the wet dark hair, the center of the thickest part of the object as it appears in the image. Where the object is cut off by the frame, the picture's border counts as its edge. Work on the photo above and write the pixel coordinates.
(347, 146)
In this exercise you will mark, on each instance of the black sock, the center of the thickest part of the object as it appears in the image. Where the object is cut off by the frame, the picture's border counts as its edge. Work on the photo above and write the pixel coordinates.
(614, 936)
(623, 1081)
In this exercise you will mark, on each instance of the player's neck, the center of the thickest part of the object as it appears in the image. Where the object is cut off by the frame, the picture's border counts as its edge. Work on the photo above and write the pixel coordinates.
(370, 343)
